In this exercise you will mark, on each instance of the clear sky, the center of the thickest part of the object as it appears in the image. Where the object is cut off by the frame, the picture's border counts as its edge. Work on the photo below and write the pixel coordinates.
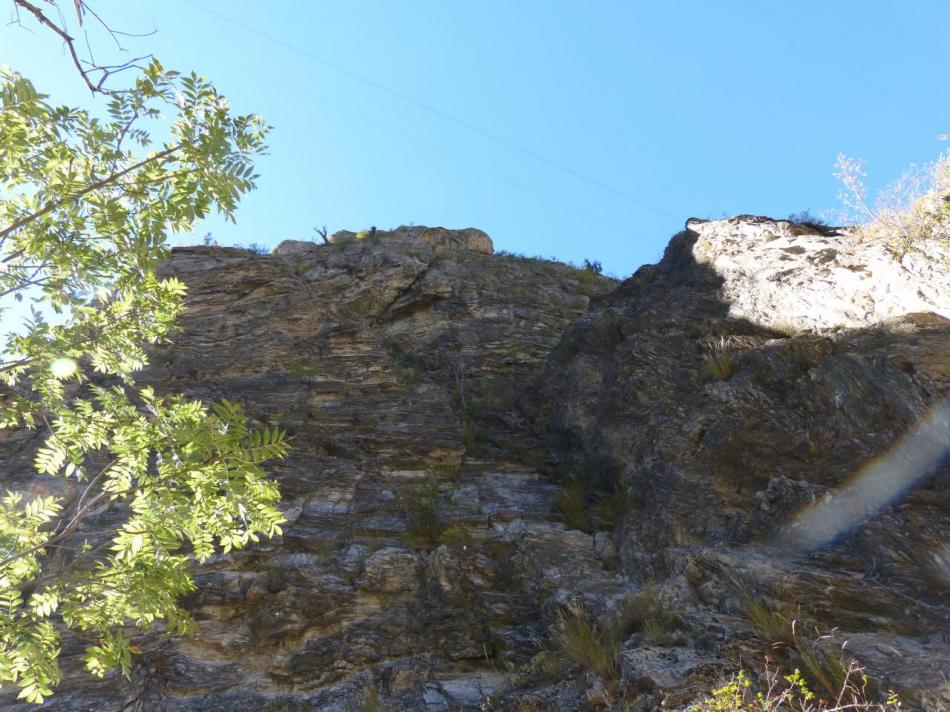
(561, 128)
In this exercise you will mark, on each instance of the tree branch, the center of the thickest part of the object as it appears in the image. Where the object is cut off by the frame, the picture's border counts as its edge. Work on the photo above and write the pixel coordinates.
(67, 38)
(108, 180)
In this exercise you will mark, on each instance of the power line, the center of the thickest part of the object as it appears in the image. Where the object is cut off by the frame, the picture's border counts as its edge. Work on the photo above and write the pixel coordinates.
(433, 110)
(396, 132)
(843, 65)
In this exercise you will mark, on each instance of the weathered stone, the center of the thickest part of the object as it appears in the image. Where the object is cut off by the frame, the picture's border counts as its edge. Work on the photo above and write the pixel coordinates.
(419, 358)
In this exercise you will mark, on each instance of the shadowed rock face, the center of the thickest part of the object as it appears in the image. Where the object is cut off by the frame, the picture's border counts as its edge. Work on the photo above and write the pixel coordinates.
(718, 463)
(419, 372)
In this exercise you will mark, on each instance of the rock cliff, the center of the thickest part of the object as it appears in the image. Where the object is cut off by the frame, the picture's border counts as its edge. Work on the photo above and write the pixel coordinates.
(482, 439)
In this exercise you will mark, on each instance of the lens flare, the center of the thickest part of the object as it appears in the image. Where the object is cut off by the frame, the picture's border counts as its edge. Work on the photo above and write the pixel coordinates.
(874, 486)
(63, 367)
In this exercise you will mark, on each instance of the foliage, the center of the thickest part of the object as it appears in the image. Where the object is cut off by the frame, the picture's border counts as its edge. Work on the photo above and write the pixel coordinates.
(420, 505)
(906, 215)
(806, 218)
(791, 693)
(594, 266)
(594, 647)
(85, 215)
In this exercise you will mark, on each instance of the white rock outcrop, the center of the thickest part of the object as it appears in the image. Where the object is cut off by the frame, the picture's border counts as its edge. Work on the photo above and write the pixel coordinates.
(796, 276)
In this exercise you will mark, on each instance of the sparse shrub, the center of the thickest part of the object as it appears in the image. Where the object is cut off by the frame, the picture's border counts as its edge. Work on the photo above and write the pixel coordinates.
(340, 240)
(773, 692)
(458, 538)
(593, 647)
(420, 505)
(258, 249)
(905, 215)
(594, 266)
(370, 234)
(806, 218)
(720, 360)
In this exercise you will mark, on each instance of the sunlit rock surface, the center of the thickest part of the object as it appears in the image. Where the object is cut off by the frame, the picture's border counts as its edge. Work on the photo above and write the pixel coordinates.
(418, 358)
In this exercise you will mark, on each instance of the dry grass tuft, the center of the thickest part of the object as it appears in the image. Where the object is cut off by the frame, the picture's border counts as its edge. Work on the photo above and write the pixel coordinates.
(593, 647)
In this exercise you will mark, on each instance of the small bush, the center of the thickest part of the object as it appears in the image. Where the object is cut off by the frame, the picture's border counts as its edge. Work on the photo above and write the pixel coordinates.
(420, 505)
(594, 648)
(773, 692)
(908, 213)
(458, 538)
(594, 266)
(806, 218)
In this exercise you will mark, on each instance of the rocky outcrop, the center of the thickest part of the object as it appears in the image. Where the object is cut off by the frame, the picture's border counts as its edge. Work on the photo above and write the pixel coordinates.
(744, 383)
(482, 439)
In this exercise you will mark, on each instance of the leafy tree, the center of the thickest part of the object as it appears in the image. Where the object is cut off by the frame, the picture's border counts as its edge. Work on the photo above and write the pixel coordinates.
(86, 208)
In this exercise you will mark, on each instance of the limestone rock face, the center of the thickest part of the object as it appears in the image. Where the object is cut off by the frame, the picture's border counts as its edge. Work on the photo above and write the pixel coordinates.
(741, 384)
(796, 276)
(395, 362)
(444, 400)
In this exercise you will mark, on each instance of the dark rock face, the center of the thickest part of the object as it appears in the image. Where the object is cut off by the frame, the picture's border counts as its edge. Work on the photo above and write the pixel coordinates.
(718, 463)
(440, 396)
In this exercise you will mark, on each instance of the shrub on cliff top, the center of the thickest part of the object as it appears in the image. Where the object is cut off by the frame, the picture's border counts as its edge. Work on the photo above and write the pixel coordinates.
(905, 215)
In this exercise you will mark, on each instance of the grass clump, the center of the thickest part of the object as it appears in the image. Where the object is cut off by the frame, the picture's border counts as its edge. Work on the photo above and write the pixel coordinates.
(593, 647)
(587, 510)
(782, 632)
(720, 360)
(572, 501)
(770, 622)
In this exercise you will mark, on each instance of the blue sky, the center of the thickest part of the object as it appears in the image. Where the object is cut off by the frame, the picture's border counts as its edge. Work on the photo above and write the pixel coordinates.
(567, 129)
